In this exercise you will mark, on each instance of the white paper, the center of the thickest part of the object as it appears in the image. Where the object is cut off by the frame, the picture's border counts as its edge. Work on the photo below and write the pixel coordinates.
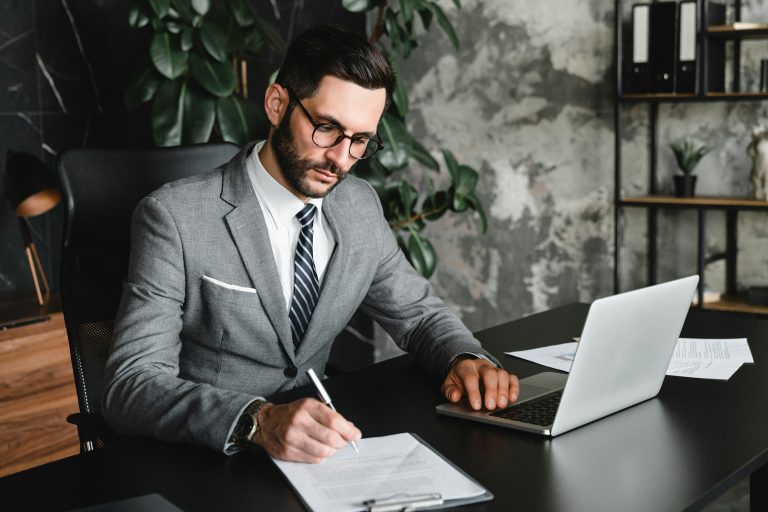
(716, 359)
(385, 466)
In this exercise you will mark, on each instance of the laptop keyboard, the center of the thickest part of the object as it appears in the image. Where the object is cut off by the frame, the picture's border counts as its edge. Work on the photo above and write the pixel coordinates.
(540, 411)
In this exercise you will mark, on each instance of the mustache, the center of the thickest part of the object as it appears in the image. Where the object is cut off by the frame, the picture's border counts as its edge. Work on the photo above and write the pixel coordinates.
(324, 166)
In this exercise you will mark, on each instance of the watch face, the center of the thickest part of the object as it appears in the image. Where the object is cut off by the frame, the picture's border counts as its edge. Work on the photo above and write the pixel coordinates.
(245, 427)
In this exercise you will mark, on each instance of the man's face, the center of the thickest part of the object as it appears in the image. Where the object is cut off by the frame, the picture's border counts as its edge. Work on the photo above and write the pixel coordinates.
(311, 170)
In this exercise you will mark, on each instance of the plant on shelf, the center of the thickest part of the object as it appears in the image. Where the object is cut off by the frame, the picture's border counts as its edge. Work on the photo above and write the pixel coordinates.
(193, 77)
(688, 154)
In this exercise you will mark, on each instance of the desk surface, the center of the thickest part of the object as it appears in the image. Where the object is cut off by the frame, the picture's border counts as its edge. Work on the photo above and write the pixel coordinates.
(678, 451)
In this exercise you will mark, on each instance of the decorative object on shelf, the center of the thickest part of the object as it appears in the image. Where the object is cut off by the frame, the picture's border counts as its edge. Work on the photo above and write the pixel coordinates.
(764, 75)
(758, 152)
(33, 191)
(757, 295)
(688, 155)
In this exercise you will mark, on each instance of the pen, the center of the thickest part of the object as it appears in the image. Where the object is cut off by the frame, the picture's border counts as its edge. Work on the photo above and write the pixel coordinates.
(325, 397)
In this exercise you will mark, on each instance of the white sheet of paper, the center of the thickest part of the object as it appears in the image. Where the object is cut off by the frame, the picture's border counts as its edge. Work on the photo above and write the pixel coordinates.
(696, 358)
(385, 466)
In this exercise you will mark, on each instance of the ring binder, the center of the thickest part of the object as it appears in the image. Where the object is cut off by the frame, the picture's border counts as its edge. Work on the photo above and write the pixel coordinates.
(404, 502)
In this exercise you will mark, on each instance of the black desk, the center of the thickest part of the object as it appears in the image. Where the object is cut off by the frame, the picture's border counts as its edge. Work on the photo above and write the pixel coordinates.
(678, 451)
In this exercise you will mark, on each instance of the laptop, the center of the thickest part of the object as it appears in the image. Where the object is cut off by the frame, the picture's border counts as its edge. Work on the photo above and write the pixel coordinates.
(621, 360)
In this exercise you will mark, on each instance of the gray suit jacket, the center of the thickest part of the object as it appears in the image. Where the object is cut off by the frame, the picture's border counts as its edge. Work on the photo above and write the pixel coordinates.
(188, 355)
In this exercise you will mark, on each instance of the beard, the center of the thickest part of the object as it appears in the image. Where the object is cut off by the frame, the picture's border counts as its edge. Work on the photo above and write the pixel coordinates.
(294, 167)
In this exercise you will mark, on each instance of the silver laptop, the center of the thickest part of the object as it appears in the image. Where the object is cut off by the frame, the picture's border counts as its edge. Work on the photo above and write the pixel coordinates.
(621, 360)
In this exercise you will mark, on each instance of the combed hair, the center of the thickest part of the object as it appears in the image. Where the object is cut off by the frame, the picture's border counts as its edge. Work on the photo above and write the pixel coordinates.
(327, 50)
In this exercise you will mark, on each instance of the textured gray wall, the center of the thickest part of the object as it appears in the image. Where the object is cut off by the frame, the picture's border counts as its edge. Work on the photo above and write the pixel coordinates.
(527, 101)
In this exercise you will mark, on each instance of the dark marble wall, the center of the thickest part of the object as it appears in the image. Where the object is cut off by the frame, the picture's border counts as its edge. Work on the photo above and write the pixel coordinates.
(64, 65)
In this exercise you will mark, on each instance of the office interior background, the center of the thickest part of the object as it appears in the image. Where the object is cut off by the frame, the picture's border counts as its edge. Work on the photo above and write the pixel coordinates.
(527, 100)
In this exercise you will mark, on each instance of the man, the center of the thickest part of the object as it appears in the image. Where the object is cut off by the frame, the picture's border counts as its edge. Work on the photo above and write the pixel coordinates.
(240, 279)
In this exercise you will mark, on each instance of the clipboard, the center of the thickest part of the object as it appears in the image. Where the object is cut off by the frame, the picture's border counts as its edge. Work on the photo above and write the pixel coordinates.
(405, 502)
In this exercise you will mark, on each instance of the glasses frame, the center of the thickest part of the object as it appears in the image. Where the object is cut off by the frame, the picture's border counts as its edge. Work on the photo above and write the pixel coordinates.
(353, 137)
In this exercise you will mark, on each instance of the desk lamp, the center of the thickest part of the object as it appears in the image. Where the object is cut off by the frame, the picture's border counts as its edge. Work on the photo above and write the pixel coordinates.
(33, 191)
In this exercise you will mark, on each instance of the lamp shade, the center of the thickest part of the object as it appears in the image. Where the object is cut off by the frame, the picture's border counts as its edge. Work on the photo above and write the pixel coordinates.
(33, 188)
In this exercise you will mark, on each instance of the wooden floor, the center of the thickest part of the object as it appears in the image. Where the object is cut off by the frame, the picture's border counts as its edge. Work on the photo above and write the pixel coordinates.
(37, 392)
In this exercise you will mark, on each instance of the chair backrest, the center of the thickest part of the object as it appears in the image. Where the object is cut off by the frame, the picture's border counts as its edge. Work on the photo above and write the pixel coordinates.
(101, 188)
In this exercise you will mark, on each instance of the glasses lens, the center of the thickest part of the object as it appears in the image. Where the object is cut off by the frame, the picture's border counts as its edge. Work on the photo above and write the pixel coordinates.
(362, 150)
(327, 135)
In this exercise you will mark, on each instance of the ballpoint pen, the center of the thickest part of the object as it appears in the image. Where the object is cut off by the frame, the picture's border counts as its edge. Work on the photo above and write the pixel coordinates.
(325, 397)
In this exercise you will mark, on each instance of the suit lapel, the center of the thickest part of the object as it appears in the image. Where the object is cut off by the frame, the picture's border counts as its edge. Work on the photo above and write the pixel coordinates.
(249, 231)
(316, 335)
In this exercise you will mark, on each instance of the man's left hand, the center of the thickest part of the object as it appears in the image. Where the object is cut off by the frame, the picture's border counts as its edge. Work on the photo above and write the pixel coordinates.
(468, 376)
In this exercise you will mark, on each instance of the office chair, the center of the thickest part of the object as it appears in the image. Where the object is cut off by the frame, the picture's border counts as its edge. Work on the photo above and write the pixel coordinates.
(101, 188)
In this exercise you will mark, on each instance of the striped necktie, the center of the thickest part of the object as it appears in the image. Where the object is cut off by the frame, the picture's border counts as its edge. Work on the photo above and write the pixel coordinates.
(306, 288)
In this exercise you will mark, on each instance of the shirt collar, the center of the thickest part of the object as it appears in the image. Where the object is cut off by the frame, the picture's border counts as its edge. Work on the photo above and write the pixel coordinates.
(281, 205)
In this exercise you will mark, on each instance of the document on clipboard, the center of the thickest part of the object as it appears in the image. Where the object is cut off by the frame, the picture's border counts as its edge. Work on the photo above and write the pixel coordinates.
(391, 473)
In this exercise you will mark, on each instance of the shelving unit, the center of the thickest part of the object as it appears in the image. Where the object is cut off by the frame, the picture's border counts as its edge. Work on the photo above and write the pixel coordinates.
(653, 201)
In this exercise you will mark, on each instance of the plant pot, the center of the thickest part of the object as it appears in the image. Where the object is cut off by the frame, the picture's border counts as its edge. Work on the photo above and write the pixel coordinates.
(685, 185)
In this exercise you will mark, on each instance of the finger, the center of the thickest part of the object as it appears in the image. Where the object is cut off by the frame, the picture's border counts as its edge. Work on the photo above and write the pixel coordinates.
(471, 384)
(335, 422)
(514, 388)
(452, 389)
(305, 449)
(490, 383)
(503, 388)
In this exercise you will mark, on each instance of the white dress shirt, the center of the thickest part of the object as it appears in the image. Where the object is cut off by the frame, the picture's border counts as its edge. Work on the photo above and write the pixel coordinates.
(280, 207)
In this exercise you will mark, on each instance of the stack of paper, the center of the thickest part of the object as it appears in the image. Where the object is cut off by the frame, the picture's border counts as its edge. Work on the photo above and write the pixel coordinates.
(696, 358)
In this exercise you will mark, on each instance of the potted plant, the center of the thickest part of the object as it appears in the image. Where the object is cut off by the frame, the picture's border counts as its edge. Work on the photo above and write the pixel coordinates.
(688, 154)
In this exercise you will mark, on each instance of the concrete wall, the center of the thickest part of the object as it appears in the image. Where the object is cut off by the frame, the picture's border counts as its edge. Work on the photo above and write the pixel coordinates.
(527, 101)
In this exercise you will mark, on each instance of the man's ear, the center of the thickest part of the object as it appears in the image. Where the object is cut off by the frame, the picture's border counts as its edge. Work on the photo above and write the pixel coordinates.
(275, 103)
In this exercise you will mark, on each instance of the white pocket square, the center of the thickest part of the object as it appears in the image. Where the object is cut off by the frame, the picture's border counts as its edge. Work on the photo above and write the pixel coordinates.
(229, 286)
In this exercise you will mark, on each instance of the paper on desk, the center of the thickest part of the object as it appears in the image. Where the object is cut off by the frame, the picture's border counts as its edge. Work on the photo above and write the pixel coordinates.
(696, 358)
(385, 466)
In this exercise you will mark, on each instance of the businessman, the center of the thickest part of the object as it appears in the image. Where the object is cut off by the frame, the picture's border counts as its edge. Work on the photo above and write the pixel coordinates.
(240, 279)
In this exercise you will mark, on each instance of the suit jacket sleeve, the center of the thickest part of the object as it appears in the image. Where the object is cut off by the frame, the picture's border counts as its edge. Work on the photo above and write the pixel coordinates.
(402, 302)
(143, 392)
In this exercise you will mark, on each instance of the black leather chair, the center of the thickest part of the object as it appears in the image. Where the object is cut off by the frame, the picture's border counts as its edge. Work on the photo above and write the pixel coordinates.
(100, 188)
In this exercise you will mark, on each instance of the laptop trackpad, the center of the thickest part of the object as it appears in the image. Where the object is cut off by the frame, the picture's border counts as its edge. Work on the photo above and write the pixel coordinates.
(541, 383)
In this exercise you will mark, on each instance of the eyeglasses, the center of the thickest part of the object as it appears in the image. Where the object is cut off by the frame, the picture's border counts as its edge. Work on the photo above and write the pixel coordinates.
(327, 135)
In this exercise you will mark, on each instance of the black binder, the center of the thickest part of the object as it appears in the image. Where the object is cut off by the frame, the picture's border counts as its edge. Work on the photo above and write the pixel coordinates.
(663, 46)
(715, 50)
(687, 53)
(638, 72)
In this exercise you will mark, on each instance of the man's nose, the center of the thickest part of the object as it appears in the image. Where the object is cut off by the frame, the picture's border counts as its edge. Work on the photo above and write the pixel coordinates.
(339, 155)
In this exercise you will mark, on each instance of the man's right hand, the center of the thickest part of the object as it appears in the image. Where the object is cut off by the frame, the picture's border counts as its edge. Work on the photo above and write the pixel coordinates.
(303, 431)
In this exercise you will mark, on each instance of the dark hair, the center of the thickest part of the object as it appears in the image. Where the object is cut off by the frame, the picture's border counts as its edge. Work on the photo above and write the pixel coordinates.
(327, 50)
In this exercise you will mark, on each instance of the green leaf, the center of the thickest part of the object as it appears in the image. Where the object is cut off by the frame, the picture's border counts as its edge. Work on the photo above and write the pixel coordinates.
(242, 12)
(421, 155)
(437, 203)
(475, 204)
(406, 10)
(184, 9)
(201, 6)
(253, 41)
(187, 41)
(445, 24)
(373, 172)
(167, 112)
(160, 7)
(399, 95)
(173, 27)
(465, 181)
(426, 17)
(239, 120)
(358, 5)
(408, 197)
(272, 35)
(168, 59)
(215, 77)
(214, 41)
(142, 87)
(457, 3)
(199, 115)
(397, 143)
(422, 255)
(137, 17)
(450, 161)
